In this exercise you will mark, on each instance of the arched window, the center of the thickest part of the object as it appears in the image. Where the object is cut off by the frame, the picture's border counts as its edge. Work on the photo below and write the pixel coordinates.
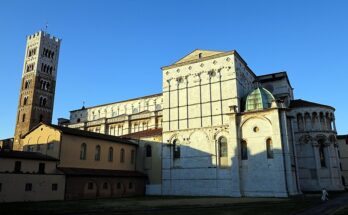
(132, 156)
(105, 186)
(83, 151)
(97, 153)
(322, 155)
(122, 156)
(23, 118)
(111, 154)
(148, 151)
(300, 122)
(322, 121)
(40, 102)
(269, 147)
(244, 150)
(25, 101)
(44, 101)
(308, 122)
(176, 149)
(222, 147)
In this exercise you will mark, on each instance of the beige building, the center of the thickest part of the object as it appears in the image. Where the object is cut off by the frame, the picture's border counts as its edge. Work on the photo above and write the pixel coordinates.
(342, 141)
(96, 165)
(29, 176)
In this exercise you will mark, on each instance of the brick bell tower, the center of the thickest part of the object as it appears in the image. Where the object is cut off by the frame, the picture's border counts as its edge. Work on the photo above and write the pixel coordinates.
(36, 97)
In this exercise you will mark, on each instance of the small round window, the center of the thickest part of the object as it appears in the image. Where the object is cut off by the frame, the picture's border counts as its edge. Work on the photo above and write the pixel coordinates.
(256, 129)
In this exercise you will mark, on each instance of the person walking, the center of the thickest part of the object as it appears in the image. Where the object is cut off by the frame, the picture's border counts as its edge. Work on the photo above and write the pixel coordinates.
(324, 195)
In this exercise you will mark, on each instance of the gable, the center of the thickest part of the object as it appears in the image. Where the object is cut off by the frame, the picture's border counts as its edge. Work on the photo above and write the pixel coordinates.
(197, 54)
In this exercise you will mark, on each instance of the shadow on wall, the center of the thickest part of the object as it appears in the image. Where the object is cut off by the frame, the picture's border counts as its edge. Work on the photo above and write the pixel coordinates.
(227, 171)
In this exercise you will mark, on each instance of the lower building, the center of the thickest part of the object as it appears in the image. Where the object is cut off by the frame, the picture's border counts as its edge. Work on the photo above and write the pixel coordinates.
(95, 165)
(28, 176)
(97, 183)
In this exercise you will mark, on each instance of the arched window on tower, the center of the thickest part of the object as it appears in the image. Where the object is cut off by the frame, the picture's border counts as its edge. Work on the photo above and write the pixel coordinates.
(44, 101)
(97, 153)
(269, 147)
(25, 101)
(83, 151)
(244, 150)
(23, 118)
(222, 151)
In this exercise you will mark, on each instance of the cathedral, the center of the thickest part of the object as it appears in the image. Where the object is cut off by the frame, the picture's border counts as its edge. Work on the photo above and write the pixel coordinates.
(216, 129)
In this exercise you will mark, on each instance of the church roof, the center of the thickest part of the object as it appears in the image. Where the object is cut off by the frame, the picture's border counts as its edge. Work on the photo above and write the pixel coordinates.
(83, 133)
(259, 99)
(127, 100)
(297, 103)
(26, 155)
(273, 77)
(146, 133)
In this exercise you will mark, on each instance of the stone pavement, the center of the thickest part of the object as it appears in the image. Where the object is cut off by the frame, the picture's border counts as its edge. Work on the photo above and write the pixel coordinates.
(329, 207)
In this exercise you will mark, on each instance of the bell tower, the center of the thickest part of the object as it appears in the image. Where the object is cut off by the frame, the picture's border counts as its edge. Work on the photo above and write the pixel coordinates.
(36, 97)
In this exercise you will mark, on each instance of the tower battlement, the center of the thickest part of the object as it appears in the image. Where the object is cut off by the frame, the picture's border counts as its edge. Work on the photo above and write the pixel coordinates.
(44, 35)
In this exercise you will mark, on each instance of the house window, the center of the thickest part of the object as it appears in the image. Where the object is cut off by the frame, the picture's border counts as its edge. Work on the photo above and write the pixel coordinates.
(122, 156)
(176, 149)
(118, 185)
(41, 168)
(90, 186)
(130, 185)
(244, 150)
(269, 147)
(54, 187)
(83, 151)
(322, 155)
(105, 185)
(18, 165)
(111, 154)
(28, 187)
(97, 153)
(49, 146)
(148, 151)
(132, 156)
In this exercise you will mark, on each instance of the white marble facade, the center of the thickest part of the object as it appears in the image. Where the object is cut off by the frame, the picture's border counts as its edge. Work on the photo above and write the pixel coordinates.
(216, 143)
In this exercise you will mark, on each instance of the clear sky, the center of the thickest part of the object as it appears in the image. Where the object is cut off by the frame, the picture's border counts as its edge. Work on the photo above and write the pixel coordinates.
(113, 50)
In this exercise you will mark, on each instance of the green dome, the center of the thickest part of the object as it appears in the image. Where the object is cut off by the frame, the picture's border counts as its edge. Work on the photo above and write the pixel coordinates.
(259, 99)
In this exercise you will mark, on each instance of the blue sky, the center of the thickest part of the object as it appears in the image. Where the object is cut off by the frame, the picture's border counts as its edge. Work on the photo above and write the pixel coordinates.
(113, 50)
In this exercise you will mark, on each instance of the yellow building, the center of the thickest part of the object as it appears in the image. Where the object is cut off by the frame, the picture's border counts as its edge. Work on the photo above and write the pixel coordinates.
(95, 165)
(28, 176)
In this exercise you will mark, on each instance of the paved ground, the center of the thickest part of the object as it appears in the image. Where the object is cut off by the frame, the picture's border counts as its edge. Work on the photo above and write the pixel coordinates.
(163, 205)
(330, 207)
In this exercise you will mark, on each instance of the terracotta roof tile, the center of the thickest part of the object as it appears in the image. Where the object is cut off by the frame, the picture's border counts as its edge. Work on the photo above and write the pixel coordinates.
(26, 155)
(100, 172)
(146, 133)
